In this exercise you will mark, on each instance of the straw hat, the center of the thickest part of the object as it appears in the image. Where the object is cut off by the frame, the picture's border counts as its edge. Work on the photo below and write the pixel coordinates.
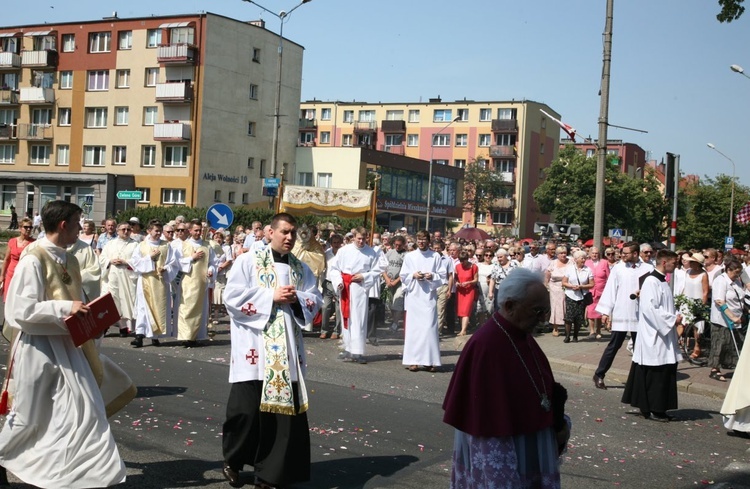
(697, 257)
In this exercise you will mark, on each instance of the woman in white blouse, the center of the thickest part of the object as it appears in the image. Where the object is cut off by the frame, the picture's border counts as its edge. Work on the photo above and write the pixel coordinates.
(577, 281)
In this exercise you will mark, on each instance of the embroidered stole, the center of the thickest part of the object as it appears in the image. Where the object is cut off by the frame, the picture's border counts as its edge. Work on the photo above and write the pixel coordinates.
(155, 287)
(194, 291)
(277, 396)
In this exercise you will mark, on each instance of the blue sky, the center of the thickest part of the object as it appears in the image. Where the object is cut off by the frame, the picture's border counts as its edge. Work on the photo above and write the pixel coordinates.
(670, 60)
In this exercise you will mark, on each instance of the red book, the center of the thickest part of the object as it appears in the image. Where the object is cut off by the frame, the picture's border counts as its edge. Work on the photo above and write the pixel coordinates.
(102, 314)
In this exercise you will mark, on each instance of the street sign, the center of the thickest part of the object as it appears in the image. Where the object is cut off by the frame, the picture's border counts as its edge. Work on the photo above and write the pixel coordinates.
(129, 195)
(615, 233)
(728, 242)
(219, 216)
(270, 191)
(271, 182)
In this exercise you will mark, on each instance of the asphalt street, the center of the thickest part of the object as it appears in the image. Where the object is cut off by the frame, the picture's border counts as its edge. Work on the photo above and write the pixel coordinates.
(379, 425)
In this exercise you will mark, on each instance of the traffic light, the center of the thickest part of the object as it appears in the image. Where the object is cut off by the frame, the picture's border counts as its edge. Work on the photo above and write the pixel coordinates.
(669, 190)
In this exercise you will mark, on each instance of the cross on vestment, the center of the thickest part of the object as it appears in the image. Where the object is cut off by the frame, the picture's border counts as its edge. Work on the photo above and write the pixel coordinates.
(252, 356)
(248, 309)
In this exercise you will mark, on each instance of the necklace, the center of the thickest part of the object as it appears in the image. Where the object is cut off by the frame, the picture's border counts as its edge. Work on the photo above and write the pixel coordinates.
(65, 275)
(546, 405)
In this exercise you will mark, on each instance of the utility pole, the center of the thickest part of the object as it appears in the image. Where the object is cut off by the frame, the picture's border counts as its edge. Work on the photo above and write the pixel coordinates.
(601, 162)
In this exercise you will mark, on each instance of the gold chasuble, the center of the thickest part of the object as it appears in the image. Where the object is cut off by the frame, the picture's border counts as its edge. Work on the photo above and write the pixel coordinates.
(155, 287)
(65, 284)
(194, 293)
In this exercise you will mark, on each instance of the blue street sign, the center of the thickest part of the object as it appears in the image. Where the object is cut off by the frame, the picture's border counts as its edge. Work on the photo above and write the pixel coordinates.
(615, 233)
(728, 242)
(219, 216)
(271, 182)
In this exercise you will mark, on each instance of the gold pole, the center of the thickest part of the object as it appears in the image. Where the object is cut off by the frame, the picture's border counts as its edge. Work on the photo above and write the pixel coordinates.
(374, 207)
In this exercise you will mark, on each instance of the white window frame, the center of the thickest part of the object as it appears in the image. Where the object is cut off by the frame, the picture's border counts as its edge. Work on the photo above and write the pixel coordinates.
(347, 140)
(325, 137)
(62, 155)
(122, 116)
(39, 154)
(94, 156)
(412, 140)
(150, 115)
(125, 40)
(441, 140)
(217, 195)
(505, 114)
(462, 114)
(8, 154)
(245, 198)
(97, 80)
(119, 155)
(68, 43)
(394, 115)
(122, 79)
(485, 115)
(231, 196)
(175, 156)
(145, 195)
(325, 180)
(481, 217)
(96, 117)
(148, 156)
(63, 116)
(99, 42)
(151, 77)
(171, 196)
(66, 80)
(484, 140)
(366, 116)
(459, 163)
(502, 222)
(413, 115)
(182, 35)
(153, 38)
(462, 140)
(325, 114)
(442, 115)
(305, 178)
(349, 116)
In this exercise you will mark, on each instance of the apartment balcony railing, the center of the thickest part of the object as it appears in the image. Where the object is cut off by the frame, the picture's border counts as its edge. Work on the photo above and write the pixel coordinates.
(7, 131)
(507, 176)
(497, 151)
(34, 132)
(172, 131)
(396, 149)
(174, 92)
(308, 124)
(8, 96)
(369, 126)
(393, 126)
(36, 95)
(504, 125)
(504, 204)
(46, 58)
(306, 144)
(176, 54)
(10, 61)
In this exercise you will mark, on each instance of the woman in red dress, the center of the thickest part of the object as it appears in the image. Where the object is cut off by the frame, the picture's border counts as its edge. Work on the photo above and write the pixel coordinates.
(467, 276)
(13, 254)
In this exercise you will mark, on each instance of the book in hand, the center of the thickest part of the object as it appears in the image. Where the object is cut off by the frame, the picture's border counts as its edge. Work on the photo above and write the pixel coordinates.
(102, 314)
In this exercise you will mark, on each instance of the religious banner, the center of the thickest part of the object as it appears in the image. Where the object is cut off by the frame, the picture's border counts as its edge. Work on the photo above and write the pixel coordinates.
(326, 201)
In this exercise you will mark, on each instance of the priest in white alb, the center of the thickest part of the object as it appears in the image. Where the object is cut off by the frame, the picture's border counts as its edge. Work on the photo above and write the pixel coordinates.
(198, 264)
(119, 277)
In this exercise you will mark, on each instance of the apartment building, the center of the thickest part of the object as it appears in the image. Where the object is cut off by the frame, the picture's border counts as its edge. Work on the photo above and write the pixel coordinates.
(176, 107)
(629, 157)
(514, 137)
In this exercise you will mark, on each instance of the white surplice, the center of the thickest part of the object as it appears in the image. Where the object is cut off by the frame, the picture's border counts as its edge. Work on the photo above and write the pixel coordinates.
(91, 270)
(120, 279)
(352, 260)
(615, 301)
(656, 342)
(186, 267)
(144, 264)
(422, 338)
(57, 434)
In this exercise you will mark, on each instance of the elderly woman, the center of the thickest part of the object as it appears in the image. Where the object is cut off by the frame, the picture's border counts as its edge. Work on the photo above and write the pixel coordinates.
(484, 303)
(500, 270)
(13, 254)
(512, 432)
(553, 279)
(88, 233)
(695, 286)
(727, 290)
(577, 281)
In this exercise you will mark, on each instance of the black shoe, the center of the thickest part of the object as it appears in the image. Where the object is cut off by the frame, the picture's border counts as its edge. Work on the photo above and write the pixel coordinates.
(124, 332)
(575, 339)
(599, 382)
(189, 344)
(660, 417)
(4, 478)
(138, 341)
(567, 339)
(155, 342)
(233, 476)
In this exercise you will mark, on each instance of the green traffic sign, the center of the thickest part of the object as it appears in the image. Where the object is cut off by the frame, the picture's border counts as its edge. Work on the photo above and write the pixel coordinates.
(129, 195)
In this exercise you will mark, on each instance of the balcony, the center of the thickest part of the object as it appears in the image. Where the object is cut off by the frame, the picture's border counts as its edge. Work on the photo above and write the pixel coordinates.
(504, 204)
(172, 131)
(308, 124)
(8, 96)
(497, 151)
(394, 127)
(504, 125)
(7, 132)
(506, 176)
(306, 144)
(393, 149)
(174, 92)
(43, 59)
(176, 54)
(370, 126)
(10, 61)
(34, 132)
(36, 95)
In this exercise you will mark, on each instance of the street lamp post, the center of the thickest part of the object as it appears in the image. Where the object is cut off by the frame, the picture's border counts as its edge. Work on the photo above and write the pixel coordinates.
(731, 199)
(429, 178)
(282, 16)
(739, 69)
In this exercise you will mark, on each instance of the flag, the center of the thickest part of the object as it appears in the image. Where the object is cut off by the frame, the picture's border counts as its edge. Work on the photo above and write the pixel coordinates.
(568, 129)
(743, 216)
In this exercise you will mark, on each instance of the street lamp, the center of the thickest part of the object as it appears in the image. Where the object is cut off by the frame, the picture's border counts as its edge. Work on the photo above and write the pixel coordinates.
(429, 178)
(282, 16)
(739, 69)
(731, 200)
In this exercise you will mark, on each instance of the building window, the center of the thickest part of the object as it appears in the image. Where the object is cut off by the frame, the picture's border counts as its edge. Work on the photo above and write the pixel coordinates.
(307, 138)
(325, 180)
(256, 55)
(325, 114)
(250, 163)
(506, 114)
(413, 115)
(262, 171)
(152, 76)
(412, 139)
(123, 79)
(175, 156)
(63, 155)
(463, 114)
(98, 80)
(394, 140)
(325, 137)
(125, 40)
(63, 116)
(181, 35)
(504, 166)
(481, 217)
(541, 148)
(505, 139)
(394, 115)
(251, 128)
(149, 115)
(366, 116)
(441, 140)
(94, 155)
(68, 43)
(305, 179)
(39, 155)
(346, 140)
(230, 197)
(153, 38)
(485, 139)
(8, 197)
(9, 80)
(7, 154)
(349, 116)
(122, 115)
(145, 195)
(119, 155)
(462, 139)
(245, 198)
(485, 115)
(66, 80)
(99, 42)
(96, 117)
(217, 195)
(502, 218)
(440, 162)
(253, 91)
(459, 163)
(7, 116)
(173, 196)
(442, 115)
(148, 156)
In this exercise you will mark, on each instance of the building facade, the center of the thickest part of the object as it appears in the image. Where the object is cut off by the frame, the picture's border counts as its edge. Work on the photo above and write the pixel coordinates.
(629, 157)
(175, 107)
(514, 137)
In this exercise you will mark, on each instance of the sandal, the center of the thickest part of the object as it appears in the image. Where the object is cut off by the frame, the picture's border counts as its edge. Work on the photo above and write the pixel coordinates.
(413, 368)
(432, 369)
(717, 375)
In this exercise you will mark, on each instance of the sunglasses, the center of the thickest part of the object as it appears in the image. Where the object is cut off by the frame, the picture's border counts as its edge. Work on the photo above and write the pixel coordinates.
(168, 232)
(488, 254)
(181, 229)
(609, 254)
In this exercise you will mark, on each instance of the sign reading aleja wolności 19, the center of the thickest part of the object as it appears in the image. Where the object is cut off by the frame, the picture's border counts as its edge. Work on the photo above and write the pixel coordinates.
(129, 195)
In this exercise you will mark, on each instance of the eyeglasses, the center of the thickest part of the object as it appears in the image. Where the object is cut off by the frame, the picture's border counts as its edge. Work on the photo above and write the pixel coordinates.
(488, 254)
(648, 252)
(168, 232)
(609, 254)
(27, 227)
(181, 229)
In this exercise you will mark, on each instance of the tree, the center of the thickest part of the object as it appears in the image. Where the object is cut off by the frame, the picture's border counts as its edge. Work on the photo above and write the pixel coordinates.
(730, 10)
(569, 191)
(482, 187)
